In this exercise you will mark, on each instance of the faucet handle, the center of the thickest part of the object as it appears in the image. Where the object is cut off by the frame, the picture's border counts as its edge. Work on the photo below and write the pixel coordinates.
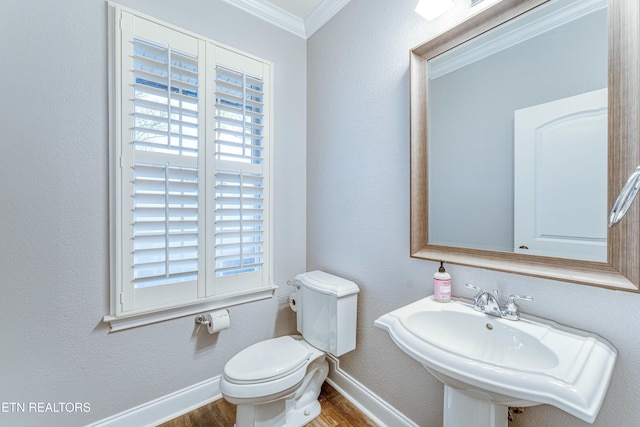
(475, 288)
(511, 311)
(478, 290)
(512, 298)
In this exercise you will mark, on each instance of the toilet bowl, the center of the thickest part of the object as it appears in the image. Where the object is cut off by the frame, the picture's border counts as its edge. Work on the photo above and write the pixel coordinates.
(276, 382)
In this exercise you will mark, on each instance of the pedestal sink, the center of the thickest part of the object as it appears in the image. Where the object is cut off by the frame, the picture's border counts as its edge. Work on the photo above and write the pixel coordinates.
(488, 363)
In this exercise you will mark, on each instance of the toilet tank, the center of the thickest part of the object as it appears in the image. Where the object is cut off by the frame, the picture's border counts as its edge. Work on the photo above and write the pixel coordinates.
(327, 311)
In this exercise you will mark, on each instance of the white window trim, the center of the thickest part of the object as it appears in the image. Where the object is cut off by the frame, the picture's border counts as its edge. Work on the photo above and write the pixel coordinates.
(118, 320)
(144, 318)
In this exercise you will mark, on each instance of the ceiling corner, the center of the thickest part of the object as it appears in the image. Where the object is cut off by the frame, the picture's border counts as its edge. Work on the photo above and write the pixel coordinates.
(322, 14)
(273, 14)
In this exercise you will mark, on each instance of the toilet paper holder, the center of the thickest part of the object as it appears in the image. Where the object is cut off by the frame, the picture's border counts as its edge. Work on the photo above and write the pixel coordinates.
(202, 320)
(215, 321)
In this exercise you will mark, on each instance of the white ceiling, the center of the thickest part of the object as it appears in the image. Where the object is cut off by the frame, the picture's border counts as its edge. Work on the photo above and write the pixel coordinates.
(301, 17)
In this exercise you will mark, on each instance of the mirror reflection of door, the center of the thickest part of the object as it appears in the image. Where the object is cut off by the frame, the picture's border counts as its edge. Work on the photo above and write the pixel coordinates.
(560, 178)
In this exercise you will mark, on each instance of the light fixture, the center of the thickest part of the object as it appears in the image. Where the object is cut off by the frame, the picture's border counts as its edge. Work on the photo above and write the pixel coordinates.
(431, 9)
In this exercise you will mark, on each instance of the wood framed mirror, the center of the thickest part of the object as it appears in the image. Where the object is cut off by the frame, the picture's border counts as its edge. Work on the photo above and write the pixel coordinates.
(620, 267)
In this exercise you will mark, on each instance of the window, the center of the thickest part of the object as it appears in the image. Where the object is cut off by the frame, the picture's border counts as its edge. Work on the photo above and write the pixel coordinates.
(191, 170)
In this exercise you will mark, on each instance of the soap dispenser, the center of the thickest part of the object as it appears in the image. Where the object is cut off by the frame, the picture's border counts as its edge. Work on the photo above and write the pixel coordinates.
(442, 285)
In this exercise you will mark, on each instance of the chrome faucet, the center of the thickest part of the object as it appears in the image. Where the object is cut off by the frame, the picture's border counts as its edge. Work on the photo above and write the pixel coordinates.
(488, 303)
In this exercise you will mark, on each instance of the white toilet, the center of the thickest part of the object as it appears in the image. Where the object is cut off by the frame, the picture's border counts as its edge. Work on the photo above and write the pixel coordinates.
(276, 382)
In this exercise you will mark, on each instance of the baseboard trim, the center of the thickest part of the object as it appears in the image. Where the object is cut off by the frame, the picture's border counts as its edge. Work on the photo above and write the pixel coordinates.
(173, 405)
(166, 407)
(364, 399)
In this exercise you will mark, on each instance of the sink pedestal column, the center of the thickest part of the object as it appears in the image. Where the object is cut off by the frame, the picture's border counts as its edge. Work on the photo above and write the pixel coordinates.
(462, 410)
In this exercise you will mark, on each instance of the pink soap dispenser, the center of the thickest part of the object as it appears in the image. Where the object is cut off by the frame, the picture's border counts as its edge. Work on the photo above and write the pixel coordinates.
(442, 285)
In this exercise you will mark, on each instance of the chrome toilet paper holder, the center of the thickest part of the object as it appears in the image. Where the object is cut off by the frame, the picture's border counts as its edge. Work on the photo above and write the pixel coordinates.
(214, 321)
(202, 320)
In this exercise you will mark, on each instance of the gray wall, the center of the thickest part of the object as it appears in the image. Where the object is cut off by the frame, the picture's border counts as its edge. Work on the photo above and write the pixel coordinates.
(358, 216)
(54, 215)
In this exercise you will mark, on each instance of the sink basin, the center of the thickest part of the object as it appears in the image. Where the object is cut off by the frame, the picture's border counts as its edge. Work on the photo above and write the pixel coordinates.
(502, 362)
(484, 339)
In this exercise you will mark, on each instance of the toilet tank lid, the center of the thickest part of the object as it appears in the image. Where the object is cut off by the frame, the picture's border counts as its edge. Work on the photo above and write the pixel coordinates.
(327, 283)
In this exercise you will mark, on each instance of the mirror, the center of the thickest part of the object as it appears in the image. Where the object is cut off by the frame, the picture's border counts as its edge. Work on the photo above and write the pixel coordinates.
(490, 137)
(535, 176)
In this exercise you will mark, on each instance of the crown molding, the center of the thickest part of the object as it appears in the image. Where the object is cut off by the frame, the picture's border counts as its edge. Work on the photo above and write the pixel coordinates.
(287, 21)
(272, 14)
(536, 23)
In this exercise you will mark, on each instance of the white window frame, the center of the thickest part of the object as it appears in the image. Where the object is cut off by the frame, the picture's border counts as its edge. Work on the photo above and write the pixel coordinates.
(210, 292)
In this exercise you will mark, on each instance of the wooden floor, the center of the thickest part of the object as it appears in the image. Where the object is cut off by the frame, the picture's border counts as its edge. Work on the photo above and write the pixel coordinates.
(336, 412)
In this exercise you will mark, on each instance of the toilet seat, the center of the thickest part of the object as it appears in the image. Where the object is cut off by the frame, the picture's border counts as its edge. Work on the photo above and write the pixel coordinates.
(267, 367)
(266, 361)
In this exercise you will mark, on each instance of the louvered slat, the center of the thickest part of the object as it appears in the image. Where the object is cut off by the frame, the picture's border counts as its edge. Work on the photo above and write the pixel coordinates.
(165, 108)
(165, 197)
(165, 223)
(239, 116)
(239, 222)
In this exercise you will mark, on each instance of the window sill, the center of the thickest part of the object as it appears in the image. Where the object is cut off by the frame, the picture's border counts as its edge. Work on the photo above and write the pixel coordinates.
(133, 320)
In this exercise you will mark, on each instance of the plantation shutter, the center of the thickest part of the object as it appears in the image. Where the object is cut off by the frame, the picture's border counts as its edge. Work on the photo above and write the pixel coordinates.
(241, 215)
(192, 167)
(162, 156)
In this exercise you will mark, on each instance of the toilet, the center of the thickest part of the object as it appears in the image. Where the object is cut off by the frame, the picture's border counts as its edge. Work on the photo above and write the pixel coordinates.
(276, 382)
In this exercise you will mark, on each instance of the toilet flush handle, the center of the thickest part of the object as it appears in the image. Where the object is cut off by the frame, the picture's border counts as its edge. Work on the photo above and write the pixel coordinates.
(293, 283)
